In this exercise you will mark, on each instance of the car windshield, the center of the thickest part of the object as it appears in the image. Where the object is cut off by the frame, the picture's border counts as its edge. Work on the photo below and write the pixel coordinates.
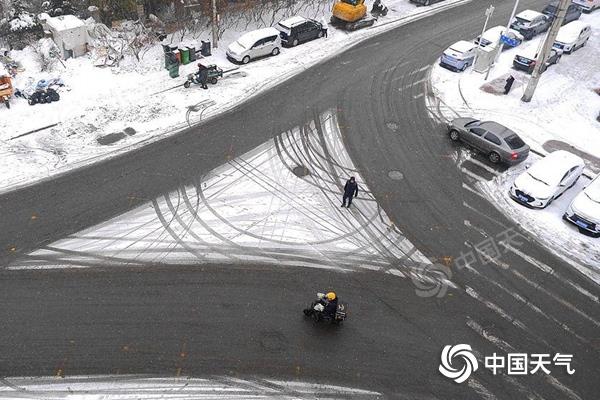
(472, 123)
(240, 44)
(456, 50)
(514, 142)
(538, 179)
(522, 20)
(593, 195)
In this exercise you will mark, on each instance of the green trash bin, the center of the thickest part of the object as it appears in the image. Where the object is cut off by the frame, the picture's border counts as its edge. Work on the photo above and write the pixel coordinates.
(185, 55)
(174, 70)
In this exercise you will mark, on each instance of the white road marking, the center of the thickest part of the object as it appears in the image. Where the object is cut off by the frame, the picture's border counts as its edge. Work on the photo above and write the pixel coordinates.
(470, 189)
(530, 305)
(484, 166)
(549, 270)
(420, 69)
(480, 389)
(472, 175)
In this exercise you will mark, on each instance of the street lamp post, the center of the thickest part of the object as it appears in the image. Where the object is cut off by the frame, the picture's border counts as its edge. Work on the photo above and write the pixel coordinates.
(499, 44)
(488, 14)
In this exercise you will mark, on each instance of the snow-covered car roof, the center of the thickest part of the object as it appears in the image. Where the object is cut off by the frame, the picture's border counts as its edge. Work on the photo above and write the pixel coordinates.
(292, 21)
(531, 52)
(570, 31)
(553, 167)
(247, 40)
(462, 46)
(493, 34)
(528, 15)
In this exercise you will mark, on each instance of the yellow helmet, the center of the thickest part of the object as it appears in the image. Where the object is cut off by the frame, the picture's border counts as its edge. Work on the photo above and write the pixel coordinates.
(331, 296)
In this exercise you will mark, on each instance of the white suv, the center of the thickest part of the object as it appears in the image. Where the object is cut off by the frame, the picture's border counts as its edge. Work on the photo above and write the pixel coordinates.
(584, 210)
(255, 44)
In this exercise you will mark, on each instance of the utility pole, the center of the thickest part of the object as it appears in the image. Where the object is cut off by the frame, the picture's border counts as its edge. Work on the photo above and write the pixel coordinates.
(499, 44)
(215, 22)
(545, 52)
(488, 14)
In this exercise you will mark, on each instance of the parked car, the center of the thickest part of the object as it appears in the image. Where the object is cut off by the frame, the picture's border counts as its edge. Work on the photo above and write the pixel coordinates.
(296, 30)
(584, 210)
(547, 179)
(424, 2)
(459, 56)
(492, 36)
(530, 23)
(573, 12)
(526, 61)
(499, 143)
(572, 36)
(587, 6)
(255, 44)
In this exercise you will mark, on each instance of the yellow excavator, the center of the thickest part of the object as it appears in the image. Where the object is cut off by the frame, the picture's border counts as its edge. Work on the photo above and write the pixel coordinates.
(351, 15)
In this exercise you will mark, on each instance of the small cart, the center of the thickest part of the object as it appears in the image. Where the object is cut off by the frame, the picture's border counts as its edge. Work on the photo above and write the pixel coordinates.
(6, 89)
(211, 74)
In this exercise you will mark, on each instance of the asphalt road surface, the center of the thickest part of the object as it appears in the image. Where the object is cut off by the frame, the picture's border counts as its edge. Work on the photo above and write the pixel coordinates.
(246, 320)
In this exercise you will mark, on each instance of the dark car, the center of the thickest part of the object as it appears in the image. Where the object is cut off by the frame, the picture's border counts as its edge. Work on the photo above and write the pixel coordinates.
(573, 12)
(296, 30)
(530, 23)
(499, 143)
(526, 62)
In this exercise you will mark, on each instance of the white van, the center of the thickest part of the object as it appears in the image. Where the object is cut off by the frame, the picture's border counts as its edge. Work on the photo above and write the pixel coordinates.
(587, 5)
(572, 36)
(255, 44)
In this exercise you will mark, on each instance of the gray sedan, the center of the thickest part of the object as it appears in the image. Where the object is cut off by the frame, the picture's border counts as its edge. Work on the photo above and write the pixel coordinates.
(496, 141)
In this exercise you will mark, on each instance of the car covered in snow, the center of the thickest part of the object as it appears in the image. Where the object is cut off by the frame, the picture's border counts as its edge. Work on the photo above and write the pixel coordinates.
(296, 30)
(459, 56)
(572, 36)
(525, 61)
(587, 5)
(492, 36)
(496, 141)
(573, 12)
(584, 210)
(547, 179)
(255, 44)
(530, 23)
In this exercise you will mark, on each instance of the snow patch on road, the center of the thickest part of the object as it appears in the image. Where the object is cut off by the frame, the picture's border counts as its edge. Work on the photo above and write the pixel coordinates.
(253, 209)
(119, 387)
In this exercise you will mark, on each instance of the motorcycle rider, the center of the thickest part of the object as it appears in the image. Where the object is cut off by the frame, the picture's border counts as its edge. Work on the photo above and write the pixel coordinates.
(331, 303)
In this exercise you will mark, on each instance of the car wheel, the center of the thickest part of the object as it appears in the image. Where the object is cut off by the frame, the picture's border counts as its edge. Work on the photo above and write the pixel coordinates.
(295, 42)
(454, 135)
(246, 60)
(494, 157)
(275, 51)
(528, 36)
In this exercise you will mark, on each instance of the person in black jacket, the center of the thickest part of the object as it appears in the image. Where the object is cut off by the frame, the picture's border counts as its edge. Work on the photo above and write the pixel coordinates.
(350, 190)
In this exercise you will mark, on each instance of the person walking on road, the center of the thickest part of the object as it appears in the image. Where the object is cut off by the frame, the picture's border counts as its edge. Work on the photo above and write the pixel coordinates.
(350, 191)
(324, 26)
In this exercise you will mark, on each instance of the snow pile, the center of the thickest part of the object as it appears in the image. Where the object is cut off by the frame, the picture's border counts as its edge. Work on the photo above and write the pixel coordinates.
(22, 22)
(101, 101)
(563, 110)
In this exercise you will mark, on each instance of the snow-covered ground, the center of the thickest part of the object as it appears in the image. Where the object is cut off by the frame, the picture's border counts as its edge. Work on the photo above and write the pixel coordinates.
(256, 209)
(102, 101)
(562, 115)
(108, 387)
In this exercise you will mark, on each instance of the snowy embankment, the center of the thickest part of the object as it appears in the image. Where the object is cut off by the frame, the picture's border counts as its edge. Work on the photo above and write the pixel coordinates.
(97, 102)
(562, 115)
